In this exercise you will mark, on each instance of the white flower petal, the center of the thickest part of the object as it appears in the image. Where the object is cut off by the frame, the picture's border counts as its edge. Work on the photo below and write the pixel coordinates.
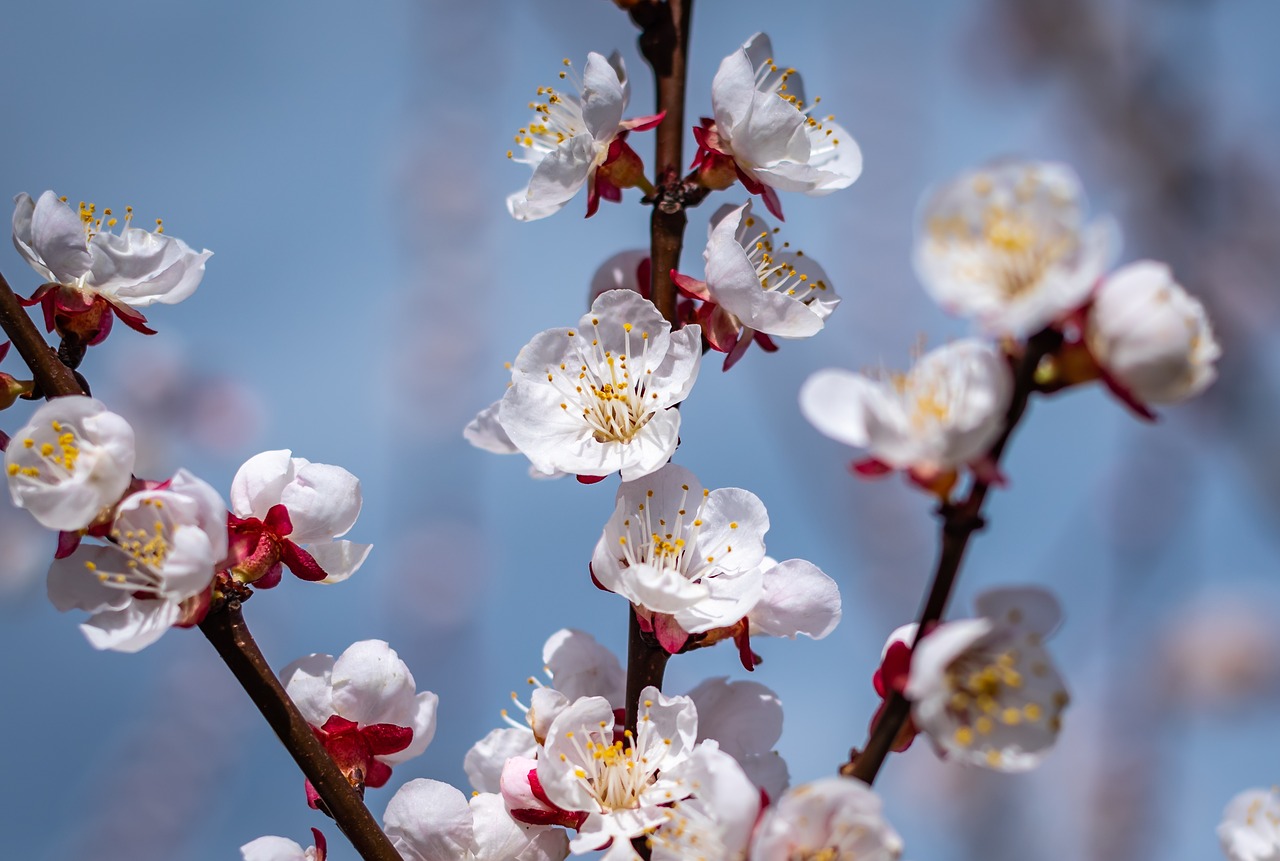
(430, 821)
(260, 481)
(798, 599)
(372, 685)
(486, 758)
(339, 559)
(309, 683)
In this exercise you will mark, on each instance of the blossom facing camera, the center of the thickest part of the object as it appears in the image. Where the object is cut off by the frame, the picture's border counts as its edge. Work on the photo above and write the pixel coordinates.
(1250, 828)
(597, 398)
(93, 273)
(71, 463)
(1151, 339)
(985, 690)
(1006, 244)
(622, 784)
(579, 139)
(287, 511)
(836, 817)
(687, 558)
(365, 709)
(768, 135)
(943, 414)
(168, 542)
(756, 286)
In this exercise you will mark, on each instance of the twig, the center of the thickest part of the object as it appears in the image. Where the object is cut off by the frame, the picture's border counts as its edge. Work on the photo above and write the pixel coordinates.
(959, 522)
(664, 42)
(226, 630)
(646, 664)
(52, 377)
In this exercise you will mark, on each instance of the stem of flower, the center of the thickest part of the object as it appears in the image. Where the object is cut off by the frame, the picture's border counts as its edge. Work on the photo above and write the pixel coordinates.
(646, 664)
(959, 522)
(226, 630)
(52, 377)
(664, 42)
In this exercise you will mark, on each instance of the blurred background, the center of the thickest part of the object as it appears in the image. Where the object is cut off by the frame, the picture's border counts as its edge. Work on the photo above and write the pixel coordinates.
(347, 166)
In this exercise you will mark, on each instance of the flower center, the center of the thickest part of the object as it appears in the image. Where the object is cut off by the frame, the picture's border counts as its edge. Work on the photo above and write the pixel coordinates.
(93, 221)
(144, 535)
(617, 774)
(771, 79)
(990, 688)
(612, 397)
(557, 117)
(1011, 249)
(927, 400)
(653, 540)
(779, 276)
(49, 457)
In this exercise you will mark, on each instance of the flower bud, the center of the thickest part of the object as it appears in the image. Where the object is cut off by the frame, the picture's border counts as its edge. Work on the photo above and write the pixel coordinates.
(1150, 335)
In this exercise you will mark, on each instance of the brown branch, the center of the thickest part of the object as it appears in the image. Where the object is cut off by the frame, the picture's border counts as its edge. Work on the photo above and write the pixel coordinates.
(646, 664)
(226, 630)
(52, 377)
(959, 522)
(664, 42)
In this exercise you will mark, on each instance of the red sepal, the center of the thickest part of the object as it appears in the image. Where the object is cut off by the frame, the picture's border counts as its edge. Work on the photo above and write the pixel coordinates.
(1126, 397)
(322, 848)
(386, 738)
(301, 563)
(742, 639)
(870, 468)
(591, 479)
(278, 520)
(67, 544)
(554, 816)
(643, 124)
(718, 327)
(744, 341)
(691, 287)
(766, 343)
(670, 635)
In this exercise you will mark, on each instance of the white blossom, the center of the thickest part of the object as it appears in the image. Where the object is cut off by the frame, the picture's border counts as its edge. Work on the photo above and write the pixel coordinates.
(367, 684)
(322, 502)
(1250, 829)
(675, 549)
(715, 823)
(168, 542)
(620, 783)
(836, 817)
(797, 598)
(944, 413)
(77, 250)
(756, 284)
(1006, 244)
(598, 398)
(1150, 336)
(744, 717)
(427, 820)
(71, 463)
(776, 138)
(577, 139)
(985, 690)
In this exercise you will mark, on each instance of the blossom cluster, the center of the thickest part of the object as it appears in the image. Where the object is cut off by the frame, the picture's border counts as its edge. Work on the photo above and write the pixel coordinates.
(594, 761)
(166, 549)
